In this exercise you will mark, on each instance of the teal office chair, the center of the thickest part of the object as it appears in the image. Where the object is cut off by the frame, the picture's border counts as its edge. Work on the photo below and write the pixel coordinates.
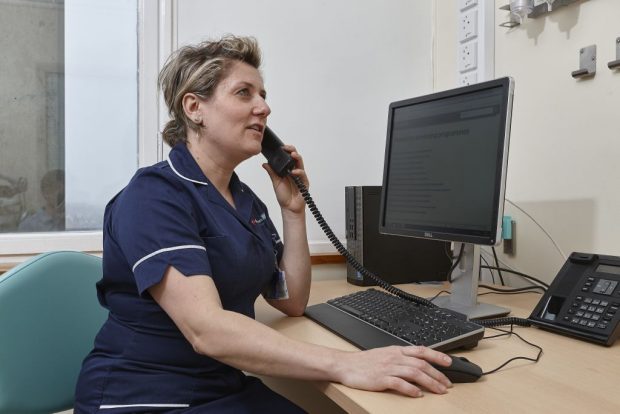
(49, 315)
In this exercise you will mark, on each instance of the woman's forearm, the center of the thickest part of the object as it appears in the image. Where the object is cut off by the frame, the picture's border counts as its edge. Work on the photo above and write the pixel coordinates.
(193, 304)
(248, 345)
(295, 263)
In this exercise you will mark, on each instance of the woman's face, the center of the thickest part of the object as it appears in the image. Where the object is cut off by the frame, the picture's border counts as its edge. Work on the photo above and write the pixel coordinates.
(234, 118)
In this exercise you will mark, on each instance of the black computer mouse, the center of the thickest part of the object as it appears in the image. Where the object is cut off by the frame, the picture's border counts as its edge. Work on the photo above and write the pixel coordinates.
(461, 370)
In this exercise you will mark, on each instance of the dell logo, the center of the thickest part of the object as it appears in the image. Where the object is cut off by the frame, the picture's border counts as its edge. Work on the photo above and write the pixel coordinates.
(428, 234)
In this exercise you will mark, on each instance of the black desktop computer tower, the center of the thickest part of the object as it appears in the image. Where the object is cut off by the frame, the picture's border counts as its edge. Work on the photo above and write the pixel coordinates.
(394, 259)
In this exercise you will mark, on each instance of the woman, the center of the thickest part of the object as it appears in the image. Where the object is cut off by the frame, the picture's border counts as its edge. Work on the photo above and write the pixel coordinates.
(188, 248)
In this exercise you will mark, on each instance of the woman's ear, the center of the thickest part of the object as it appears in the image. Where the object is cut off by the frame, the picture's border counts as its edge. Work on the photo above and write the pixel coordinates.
(191, 107)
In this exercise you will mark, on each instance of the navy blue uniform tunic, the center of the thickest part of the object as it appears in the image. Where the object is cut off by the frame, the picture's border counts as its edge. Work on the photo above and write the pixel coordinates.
(171, 215)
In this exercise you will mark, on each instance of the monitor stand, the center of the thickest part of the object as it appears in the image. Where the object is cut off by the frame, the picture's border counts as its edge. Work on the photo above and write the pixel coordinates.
(464, 290)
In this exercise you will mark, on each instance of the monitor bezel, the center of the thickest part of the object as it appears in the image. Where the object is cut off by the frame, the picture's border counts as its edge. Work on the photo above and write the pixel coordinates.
(492, 237)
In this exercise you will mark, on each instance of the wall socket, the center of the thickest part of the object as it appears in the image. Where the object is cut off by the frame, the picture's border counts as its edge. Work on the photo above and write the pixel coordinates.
(465, 4)
(468, 25)
(468, 56)
(468, 78)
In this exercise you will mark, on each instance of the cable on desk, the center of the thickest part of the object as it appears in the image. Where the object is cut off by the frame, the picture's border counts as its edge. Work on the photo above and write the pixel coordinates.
(499, 270)
(518, 273)
(439, 293)
(490, 270)
(456, 263)
(511, 332)
(514, 291)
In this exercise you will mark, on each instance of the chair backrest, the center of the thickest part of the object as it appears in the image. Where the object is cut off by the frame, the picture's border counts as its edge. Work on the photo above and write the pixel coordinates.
(49, 316)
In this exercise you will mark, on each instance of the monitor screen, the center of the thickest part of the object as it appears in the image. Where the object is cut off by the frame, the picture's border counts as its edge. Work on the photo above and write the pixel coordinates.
(445, 164)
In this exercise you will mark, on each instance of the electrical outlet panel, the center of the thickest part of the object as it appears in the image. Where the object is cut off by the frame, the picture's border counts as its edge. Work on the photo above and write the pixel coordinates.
(468, 25)
(468, 54)
(475, 38)
(466, 4)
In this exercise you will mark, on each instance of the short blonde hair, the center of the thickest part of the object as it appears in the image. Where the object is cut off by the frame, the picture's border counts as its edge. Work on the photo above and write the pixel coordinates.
(199, 69)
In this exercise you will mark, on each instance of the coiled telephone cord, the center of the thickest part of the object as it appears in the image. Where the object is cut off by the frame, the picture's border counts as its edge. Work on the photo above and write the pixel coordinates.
(348, 256)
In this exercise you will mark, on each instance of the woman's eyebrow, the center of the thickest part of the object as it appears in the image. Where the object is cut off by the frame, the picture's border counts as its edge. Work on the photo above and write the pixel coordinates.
(263, 92)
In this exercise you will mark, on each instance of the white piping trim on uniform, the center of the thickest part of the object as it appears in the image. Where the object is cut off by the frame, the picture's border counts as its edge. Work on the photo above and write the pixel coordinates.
(181, 175)
(107, 407)
(167, 249)
(278, 241)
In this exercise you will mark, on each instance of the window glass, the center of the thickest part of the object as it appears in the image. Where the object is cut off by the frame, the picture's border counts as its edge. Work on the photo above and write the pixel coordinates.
(68, 128)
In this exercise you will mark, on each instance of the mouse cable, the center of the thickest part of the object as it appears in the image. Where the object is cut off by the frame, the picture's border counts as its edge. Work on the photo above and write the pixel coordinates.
(519, 274)
(348, 256)
(509, 333)
(513, 291)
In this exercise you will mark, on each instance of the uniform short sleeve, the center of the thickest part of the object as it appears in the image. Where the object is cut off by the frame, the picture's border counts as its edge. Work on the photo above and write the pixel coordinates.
(154, 224)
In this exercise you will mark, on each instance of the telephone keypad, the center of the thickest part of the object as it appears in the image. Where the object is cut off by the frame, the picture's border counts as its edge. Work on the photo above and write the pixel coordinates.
(591, 312)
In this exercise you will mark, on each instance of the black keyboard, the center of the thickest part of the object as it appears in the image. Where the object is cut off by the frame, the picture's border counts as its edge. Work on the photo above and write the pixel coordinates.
(372, 319)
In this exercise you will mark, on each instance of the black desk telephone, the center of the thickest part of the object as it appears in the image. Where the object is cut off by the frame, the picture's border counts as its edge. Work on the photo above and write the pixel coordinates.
(583, 299)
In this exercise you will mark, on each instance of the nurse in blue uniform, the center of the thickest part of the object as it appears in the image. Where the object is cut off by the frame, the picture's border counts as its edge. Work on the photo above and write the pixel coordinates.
(188, 248)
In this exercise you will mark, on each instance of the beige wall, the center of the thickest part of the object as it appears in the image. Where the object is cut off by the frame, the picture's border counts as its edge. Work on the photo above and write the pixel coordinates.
(329, 271)
(563, 168)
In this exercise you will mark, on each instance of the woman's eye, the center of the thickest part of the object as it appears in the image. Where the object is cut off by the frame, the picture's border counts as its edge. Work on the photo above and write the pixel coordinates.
(243, 92)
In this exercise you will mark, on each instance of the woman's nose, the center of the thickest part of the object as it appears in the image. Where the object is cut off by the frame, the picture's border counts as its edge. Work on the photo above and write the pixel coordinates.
(262, 108)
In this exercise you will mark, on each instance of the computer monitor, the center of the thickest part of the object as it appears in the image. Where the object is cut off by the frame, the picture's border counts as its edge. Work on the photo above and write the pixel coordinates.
(445, 174)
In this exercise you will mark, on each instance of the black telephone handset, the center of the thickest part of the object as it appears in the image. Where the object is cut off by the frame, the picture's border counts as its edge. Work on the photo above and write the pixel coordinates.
(279, 160)
(282, 163)
(583, 299)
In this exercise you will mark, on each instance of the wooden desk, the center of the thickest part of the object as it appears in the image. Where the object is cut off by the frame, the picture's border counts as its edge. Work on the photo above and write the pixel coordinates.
(572, 376)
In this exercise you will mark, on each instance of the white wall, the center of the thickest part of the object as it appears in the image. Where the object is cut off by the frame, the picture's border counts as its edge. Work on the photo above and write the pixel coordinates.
(563, 166)
(330, 69)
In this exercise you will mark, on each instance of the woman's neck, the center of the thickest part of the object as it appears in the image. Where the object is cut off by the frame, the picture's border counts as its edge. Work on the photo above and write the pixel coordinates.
(218, 174)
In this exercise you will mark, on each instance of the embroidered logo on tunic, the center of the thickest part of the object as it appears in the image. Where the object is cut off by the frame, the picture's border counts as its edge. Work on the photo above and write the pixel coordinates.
(259, 220)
